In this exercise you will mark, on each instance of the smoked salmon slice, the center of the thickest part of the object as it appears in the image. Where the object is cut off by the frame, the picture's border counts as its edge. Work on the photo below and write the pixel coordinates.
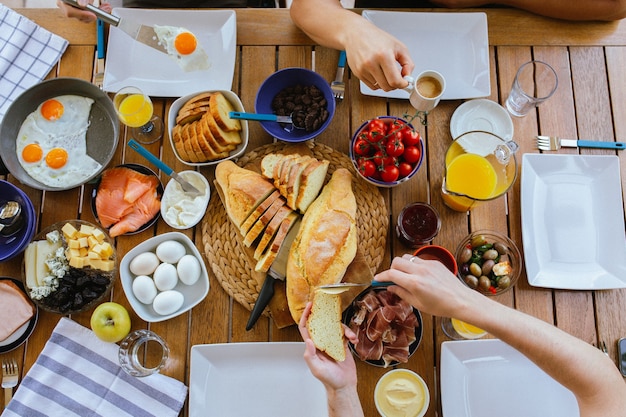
(126, 200)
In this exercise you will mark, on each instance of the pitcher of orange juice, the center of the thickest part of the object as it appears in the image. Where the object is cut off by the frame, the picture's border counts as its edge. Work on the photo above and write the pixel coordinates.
(480, 166)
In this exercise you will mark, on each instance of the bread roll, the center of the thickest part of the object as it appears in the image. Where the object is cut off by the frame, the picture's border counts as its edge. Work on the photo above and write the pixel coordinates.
(324, 325)
(326, 242)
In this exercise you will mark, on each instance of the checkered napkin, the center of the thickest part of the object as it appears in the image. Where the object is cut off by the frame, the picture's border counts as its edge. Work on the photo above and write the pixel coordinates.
(27, 54)
(79, 375)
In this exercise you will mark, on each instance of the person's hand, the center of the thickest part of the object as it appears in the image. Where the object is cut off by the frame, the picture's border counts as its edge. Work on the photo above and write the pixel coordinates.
(428, 286)
(80, 14)
(334, 375)
(378, 58)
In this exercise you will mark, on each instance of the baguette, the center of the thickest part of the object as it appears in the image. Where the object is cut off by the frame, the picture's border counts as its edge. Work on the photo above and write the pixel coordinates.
(266, 260)
(260, 225)
(271, 230)
(324, 325)
(256, 214)
(326, 242)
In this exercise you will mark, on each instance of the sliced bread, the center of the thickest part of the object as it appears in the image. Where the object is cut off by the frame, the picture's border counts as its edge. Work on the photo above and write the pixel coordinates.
(220, 107)
(270, 231)
(257, 229)
(294, 179)
(324, 325)
(256, 214)
(311, 182)
(224, 137)
(266, 260)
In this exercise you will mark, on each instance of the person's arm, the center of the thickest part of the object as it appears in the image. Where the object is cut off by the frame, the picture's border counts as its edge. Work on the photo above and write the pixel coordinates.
(561, 9)
(374, 56)
(586, 371)
(339, 378)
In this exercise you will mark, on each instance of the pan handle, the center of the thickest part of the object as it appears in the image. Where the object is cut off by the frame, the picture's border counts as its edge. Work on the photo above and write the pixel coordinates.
(108, 18)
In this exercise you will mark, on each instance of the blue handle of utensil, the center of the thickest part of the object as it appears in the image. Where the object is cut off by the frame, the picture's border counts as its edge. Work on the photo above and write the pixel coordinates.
(252, 116)
(342, 59)
(379, 284)
(600, 145)
(146, 154)
(100, 39)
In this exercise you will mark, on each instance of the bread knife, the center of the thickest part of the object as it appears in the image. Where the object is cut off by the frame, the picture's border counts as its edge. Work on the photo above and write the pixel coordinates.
(278, 270)
(141, 33)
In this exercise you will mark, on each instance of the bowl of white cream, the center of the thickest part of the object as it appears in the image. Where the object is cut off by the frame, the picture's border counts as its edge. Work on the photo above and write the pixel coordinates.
(181, 210)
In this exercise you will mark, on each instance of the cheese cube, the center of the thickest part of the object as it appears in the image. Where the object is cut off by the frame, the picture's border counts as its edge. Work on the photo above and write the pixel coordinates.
(107, 250)
(73, 253)
(82, 242)
(77, 262)
(73, 244)
(92, 241)
(69, 231)
(102, 264)
(99, 235)
(93, 255)
(86, 230)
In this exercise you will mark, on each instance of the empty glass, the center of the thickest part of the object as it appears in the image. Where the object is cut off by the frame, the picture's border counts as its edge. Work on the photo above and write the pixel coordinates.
(534, 83)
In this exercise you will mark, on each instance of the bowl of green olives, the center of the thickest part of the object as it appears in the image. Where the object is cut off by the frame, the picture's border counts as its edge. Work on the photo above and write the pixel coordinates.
(489, 262)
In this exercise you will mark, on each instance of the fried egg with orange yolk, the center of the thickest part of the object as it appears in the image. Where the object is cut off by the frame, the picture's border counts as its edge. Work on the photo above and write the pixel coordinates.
(182, 46)
(51, 145)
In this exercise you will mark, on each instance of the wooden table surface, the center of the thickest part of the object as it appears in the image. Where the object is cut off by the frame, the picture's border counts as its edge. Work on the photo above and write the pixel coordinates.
(590, 103)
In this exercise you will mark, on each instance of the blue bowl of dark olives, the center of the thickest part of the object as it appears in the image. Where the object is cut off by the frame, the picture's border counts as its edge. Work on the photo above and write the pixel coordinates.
(489, 262)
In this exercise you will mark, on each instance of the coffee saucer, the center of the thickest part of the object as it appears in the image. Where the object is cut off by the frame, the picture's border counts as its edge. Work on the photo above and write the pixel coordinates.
(481, 114)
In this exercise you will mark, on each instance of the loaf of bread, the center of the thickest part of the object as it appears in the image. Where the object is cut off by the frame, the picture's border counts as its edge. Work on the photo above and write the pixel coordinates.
(326, 242)
(15, 308)
(324, 325)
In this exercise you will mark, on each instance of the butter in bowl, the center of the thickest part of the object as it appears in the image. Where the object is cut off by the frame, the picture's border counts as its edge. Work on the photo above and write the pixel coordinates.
(181, 210)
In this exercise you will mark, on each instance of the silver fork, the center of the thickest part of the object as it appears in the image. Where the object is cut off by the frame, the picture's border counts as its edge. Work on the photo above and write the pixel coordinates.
(338, 86)
(554, 143)
(10, 373)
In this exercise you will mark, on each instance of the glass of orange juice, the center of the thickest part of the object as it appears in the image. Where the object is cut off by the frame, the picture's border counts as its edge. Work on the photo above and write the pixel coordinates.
(460, 330)
(480, 166)
(134, 108)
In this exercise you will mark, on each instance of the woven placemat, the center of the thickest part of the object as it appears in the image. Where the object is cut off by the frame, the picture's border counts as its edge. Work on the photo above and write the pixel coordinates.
(227, 255)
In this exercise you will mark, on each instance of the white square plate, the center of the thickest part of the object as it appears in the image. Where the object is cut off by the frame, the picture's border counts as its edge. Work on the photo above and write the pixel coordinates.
(253, 379)
(490, 378)
(130, 63)
(454, 44)
(573, 221)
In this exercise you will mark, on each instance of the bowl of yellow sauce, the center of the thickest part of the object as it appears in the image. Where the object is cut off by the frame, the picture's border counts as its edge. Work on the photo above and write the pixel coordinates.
(401, 393)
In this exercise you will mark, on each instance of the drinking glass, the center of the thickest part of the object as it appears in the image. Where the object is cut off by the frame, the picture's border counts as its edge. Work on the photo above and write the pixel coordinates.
(142, 353)
(480, 166)
(134, 108)
(459, 330)
(534, 83)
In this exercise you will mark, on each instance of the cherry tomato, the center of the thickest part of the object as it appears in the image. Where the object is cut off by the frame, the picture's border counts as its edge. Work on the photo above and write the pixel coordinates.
(405, 169)
(394, 146)
(362, 147)
(379, 158)
(375, 135)
(389, 173)
(410, 137)
(376, 124)
(367, 167)
(396, 126)
(411, 154)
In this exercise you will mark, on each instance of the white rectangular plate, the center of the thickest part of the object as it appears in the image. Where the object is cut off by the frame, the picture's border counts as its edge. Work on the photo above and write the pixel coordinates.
(573, 221)
(130, 63)
(454, 44)
(490, 378)
(253, 379)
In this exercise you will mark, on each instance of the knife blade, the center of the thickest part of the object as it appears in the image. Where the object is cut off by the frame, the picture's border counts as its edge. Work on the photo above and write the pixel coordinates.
(141, 33)
(277, 271)
(573, 143)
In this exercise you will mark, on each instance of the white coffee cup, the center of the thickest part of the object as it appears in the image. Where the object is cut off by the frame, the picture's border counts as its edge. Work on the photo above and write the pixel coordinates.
(425, 90)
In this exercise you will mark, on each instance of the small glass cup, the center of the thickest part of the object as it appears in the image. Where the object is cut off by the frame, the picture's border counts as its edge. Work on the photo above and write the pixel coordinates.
(417, 224)
(459, 330)
(534, 83)
(135, 110)
(143, 353)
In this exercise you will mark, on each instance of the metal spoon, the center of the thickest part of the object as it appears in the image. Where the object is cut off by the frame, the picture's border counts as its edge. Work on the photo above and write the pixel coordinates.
(345, 286)
(10, 214)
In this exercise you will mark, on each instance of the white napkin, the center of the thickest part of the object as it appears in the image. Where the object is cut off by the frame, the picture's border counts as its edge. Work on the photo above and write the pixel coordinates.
(78, 374)
(27, 54)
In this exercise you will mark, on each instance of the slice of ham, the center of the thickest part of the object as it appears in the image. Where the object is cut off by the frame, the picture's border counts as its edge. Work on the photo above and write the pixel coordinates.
(15, 309)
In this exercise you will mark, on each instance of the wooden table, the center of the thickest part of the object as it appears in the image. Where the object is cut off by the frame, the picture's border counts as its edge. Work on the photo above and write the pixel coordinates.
(589, 103)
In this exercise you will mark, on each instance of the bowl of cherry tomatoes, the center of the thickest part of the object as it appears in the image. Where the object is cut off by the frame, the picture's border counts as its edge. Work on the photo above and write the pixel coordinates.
(386, 151)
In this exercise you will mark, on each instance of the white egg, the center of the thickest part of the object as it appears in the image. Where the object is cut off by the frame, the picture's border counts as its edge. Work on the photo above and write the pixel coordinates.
(168, 302)
(170, 251)
(182, 46)
(144, 289)
(188, 269)
(51, 143)
(165, 277)
(144, 263)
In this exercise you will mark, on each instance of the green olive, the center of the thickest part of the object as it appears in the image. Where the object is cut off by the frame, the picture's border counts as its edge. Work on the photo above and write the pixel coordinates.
(484, 283)
(471, 281)
(501, 248)
(504, 282)
(487, 266)
(475, 269)
(478, 240)
(490, 254)
(465, 255)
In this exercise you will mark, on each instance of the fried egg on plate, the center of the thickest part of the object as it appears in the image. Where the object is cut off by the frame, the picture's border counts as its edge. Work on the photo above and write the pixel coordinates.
(51, 144)
(182, 46)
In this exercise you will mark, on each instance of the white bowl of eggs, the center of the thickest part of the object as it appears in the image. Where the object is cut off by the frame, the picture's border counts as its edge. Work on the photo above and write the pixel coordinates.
(164, 277)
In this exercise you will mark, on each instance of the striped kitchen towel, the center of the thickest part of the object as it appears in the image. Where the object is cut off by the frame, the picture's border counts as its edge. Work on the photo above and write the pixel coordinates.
(27, 54)
(78, 374)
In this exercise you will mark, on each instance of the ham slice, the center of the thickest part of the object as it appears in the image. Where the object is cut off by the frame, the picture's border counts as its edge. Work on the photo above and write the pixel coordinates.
(15, 309)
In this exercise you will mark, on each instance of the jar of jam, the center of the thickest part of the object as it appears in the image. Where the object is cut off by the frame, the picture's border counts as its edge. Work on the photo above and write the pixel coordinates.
(418, 224)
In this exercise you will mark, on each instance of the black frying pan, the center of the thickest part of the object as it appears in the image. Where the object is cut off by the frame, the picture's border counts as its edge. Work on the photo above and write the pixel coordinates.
(102, 135)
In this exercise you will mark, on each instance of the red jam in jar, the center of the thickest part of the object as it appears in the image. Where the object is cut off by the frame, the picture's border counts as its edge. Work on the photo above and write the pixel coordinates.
(418, 224)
